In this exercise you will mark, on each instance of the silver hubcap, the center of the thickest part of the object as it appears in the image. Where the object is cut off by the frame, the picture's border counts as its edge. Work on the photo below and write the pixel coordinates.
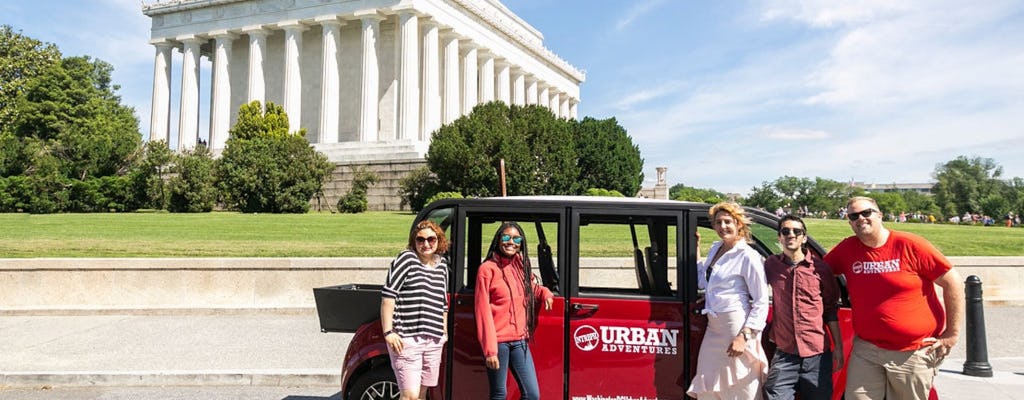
(383, 390)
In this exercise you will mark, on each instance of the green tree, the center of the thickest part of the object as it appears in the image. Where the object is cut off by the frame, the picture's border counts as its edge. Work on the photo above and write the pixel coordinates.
(608, 159)
(72, 107)
(416, 187)
(354, 201)
(21, 59)
(553, 149)
(266, 169)
(764, 197)
(193, 188)
(889, 202)
(963, 183)
(682, 192)
(150, 174)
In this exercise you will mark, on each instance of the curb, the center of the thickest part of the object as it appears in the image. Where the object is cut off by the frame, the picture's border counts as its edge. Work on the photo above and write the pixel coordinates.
(171, 378)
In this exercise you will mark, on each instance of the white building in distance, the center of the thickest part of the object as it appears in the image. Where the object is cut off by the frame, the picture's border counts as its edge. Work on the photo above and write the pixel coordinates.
(368, 79)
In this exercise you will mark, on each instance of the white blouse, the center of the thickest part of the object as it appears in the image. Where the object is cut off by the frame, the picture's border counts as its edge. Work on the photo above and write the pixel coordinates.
(737, 282)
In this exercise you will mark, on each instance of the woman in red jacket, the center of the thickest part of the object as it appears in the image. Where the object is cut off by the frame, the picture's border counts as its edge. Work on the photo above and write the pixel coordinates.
(506, 314)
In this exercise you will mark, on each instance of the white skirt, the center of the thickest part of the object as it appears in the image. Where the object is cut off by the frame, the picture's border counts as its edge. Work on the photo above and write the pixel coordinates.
(722, 377)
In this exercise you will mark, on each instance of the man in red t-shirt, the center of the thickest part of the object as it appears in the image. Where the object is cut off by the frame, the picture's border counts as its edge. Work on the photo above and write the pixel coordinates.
(902, 331)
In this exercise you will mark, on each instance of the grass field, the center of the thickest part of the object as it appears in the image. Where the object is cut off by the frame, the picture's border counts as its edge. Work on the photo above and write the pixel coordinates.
(371, 234)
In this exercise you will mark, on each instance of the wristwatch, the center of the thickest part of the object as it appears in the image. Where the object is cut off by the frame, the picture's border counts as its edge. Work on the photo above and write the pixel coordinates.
(389, 332)
(747, 334)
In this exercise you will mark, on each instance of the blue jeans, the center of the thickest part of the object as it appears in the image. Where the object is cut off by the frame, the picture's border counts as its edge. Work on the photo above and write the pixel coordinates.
(517, 356)
(809, 376)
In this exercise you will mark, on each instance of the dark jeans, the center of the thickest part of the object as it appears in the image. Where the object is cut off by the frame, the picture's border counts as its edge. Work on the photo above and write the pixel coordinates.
(517, 356)
(810, 376)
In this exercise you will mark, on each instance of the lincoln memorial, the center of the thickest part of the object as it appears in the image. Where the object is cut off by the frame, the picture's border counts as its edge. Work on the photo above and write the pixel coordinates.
(370, 80)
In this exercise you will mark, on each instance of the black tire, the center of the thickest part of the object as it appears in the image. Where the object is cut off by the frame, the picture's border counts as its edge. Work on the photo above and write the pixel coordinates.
(376, 384)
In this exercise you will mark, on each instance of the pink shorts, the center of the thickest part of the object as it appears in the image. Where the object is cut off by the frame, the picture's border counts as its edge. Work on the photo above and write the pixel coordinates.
(419, 364)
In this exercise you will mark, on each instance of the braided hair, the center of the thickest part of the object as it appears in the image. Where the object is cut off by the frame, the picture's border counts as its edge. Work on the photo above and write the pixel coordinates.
(529, 303)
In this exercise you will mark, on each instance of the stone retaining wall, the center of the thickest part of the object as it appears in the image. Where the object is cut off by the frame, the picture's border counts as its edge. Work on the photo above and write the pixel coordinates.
(86, 285)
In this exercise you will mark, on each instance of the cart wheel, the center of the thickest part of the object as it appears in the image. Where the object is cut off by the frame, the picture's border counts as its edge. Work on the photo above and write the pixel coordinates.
(377, 384)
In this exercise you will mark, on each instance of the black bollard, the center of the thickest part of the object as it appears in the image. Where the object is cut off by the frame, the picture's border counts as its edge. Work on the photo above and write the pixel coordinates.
(977, 349)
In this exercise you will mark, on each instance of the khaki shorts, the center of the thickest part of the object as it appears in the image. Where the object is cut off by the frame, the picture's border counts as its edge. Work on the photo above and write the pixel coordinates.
(877, 373)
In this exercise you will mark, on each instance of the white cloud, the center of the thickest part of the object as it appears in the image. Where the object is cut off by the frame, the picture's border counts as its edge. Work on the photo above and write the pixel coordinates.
(636, 11)
(778, 133)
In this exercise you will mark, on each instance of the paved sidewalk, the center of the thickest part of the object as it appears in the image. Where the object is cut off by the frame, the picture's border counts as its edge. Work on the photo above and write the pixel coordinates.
(267, 349)
(222, 349)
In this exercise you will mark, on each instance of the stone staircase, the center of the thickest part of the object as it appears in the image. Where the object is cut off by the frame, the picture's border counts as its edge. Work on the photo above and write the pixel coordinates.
(391, 161)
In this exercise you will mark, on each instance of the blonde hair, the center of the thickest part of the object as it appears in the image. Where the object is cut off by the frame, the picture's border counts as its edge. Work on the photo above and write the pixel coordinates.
(862, 198)
(737, 213)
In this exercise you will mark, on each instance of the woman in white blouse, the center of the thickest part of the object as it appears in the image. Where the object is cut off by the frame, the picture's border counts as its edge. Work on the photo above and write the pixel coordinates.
(731, 363)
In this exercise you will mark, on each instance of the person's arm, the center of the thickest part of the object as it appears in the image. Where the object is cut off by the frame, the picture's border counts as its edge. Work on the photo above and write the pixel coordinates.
(757, 286)
(543, 294)
(387, 313)
(396, 275)
(953, 298)
(485, 332)
(838, 356)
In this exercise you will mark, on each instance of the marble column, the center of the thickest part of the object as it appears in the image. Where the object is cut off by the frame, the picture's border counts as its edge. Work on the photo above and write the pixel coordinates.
(518, 87)
(486, 77)
(257, 53)
(368, 119)
(504, 84)
(159, 121)
(292, 72)
(563, 109)
(329, 82)
(531, 91)
(188, 120)
(543, 98)
(409, 78)
(452, 104)
(554, 106)
(469, 79)
(572, 109)
(220, 99)
(431, 102)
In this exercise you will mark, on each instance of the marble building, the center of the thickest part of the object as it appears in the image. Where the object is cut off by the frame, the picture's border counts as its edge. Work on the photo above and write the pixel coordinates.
(368, 79)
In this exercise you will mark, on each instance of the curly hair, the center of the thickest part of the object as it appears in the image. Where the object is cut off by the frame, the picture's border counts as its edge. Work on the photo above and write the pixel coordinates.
(442, 242)
(737, 213)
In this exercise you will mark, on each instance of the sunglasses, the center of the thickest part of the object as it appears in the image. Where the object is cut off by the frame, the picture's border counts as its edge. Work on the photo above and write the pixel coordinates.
(794, 231)
(426, 239)
(514, 239)
(856, 215)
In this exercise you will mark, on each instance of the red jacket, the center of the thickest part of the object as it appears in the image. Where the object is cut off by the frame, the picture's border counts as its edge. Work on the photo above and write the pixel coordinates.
(501, 302)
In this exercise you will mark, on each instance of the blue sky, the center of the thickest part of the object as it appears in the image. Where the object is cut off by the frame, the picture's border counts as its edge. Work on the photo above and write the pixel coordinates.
(729, 94)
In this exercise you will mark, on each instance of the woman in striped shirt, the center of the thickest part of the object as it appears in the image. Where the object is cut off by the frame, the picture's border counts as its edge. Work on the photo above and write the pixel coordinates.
(414, 310)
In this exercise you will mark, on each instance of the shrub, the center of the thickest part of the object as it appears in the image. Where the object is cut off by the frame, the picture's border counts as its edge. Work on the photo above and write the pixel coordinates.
(192, 189)
(265, 169)
(444, 195)
(603, 192)
(354, 201)
(417, 187)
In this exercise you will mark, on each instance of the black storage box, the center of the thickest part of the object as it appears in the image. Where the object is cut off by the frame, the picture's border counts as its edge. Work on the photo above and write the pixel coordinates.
(344, 308)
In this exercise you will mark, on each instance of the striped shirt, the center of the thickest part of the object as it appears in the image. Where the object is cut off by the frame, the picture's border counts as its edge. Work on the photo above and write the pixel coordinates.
(420, 294)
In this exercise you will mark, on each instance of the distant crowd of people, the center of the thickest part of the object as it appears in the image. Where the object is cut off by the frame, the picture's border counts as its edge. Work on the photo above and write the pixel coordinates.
(1009, 220)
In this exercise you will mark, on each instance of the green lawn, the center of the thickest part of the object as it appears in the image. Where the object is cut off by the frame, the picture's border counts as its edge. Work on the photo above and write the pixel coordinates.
(371, 234)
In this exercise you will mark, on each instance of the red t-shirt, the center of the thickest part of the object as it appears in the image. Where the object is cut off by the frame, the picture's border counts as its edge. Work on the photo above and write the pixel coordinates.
(891, 288)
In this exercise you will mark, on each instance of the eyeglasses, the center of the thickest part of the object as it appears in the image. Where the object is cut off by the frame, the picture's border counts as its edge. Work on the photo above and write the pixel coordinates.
(514, 239)
(856, 215)
(426, 239)
(794, 231)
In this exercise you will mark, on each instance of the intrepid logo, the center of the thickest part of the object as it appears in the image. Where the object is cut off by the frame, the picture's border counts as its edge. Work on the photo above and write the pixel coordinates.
(585, 338)
(876, 267)
(621, 339)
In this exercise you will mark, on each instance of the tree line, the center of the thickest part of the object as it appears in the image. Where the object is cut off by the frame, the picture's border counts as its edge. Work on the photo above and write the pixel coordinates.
(972, 185)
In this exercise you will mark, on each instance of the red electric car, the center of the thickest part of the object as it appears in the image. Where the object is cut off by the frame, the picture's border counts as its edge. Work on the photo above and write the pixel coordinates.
(626, 320)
